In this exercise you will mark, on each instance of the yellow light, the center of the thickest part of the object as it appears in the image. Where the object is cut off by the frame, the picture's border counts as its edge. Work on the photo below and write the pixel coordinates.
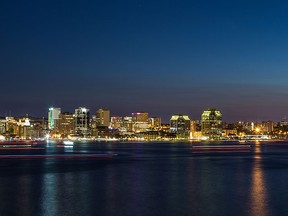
(257, 130)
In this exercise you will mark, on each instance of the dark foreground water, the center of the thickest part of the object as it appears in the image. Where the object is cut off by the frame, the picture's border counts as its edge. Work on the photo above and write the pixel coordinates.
(146, 179)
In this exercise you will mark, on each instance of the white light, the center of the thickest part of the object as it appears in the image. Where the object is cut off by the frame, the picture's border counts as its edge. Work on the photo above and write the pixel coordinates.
(67, 142)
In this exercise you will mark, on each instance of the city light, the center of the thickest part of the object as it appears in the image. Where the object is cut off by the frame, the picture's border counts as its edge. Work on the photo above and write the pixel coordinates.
(85, 125)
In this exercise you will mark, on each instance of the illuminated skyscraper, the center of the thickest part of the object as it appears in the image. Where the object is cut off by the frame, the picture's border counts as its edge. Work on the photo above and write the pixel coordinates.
(211, 123)
(103, 117)
(180, 123)
(82, 126)
(154, 122)
(65, 124)
(128, 124)
(53, 115)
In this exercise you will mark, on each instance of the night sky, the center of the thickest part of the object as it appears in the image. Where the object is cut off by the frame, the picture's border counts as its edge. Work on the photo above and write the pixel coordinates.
(163, 57)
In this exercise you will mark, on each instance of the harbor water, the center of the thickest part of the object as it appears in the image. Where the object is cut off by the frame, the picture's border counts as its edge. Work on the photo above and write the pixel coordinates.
(185, 178)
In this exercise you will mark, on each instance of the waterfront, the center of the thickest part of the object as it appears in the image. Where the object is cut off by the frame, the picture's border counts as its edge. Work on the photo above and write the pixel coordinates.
(146, 179)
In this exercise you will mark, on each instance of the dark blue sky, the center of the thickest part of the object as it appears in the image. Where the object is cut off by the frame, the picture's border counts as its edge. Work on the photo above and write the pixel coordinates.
(163, 57)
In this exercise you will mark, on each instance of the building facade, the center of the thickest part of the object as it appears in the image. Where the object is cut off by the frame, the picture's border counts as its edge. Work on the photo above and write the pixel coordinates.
(116, 122)
(154, 122)
(103, 117)
(140, 121)
(65, 124)
(180, 124)
(82, 126)
(53, 115)
(211, 123)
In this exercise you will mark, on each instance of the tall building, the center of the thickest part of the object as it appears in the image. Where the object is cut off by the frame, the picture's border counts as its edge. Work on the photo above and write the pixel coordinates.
(93, 126)
(211, 123)
(65, 124)
(53, 115)
(82, 126)
(128, 123)
(140, 121)
(180, 123)
(103, 117)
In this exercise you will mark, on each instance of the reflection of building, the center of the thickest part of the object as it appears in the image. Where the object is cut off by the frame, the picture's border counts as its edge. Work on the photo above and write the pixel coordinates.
(103, 117)
(140, 121)
(180, 123)
(82, 121)
(53, 115)
(211, 123)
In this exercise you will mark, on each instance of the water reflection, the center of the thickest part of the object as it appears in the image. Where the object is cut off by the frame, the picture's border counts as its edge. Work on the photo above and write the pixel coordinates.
(258, 193)
(49, 198)
(147, 179)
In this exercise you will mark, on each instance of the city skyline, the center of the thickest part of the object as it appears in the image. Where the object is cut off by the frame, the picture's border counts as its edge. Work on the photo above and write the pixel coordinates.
(165, 57)
(166, 119)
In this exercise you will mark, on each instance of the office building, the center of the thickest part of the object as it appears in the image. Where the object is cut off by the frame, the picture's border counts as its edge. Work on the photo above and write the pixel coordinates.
(103, 117)
(53, 115)
(140, 121)
(127, 124)
(65, 124)
(116, 122)
(82, 126)
(180, 124)
(211, 123)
